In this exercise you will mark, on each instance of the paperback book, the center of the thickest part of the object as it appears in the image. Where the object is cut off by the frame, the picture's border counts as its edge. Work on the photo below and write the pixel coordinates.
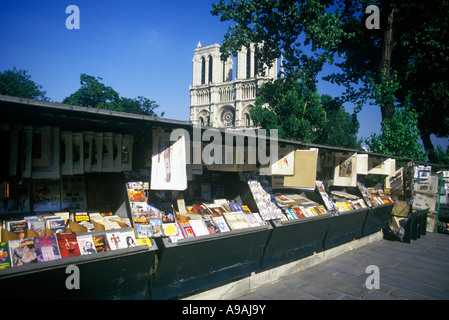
(47, 248)
(68, 244)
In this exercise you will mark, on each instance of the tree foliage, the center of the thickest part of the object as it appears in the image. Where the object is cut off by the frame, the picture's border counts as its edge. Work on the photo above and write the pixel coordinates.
(303, 32)
(404, 64)
(299, 114)
(399, 136)
(18, 83)
(419, 59)
(94, 94)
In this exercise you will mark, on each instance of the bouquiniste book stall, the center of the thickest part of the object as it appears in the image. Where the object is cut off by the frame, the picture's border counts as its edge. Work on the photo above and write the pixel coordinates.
(202, 224)
(64, 233)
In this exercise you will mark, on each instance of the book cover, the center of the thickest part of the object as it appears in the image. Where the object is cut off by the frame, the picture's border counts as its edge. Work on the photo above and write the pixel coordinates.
(68, 245)
(46, 195)
(172, 231)
(5, 261)
(156, 224)
(56, 225)
(37, 225)
(22, 252)
(215, 209)
(100, 243)
(236, 220)
(210, 224)
(18, 227)
(144, 231)
(198, 227)
(252, 220)
(115, 241)
(86, 244)
(128, 239)
(47, 248)
(236, 207)
(221, 224)
(186, 229)
(144, 242)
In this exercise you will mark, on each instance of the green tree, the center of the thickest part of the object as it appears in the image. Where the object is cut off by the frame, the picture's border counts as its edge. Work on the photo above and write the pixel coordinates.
(305, 33)
(300, 114)
(399, 136)
(287, 106)
(342, 127)
(442, 156)
(413, 44)
(18, 83)
(94, 94)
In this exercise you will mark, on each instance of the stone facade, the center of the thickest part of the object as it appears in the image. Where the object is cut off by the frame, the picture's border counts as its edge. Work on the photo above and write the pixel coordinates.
(217, 96)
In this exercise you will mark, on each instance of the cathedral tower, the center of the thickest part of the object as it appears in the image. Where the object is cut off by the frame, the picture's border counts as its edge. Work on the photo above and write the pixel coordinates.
(217, 96)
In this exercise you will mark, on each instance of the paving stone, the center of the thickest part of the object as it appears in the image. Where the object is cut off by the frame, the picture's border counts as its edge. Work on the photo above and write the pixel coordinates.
(415, 271)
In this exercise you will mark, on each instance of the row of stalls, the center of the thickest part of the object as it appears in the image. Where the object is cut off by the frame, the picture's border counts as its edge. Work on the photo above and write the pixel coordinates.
(105, 205)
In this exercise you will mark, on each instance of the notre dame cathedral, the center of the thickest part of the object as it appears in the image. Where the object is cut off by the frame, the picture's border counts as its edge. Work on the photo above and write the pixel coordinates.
(220, 98)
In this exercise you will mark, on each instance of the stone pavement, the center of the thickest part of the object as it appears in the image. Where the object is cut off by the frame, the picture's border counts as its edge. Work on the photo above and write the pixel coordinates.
(407, 271)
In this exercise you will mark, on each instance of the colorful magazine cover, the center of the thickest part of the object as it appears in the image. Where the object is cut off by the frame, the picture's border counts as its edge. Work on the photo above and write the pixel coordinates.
(5, 262)
(68, 245)
(47, 248)
(86, 244)
(22, 252)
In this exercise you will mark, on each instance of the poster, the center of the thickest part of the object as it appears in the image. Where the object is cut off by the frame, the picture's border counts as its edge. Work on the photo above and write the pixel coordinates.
(304, 175)
(168, 163)
(46, 195)
(345, 170)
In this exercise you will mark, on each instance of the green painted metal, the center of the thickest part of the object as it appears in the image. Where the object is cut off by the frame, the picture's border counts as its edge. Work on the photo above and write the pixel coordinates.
(119, 274)
(295, 239)
(196, 264)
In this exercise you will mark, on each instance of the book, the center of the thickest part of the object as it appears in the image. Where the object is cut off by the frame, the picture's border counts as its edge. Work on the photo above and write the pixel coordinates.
(252, 219)
(236, 220)
(47, 248)
(5, 261)
(144, 242)
(236, 207)
(215, 209)
(115, 241)
(86, 244)
(81, 216)
(210, 224)
(157, 227)
(224, 203)
(56, 225)
(221, 224)
(22, 251)
(100, 243)
(37, 225)
(172, 231)
(198, 227)
(18, 227)
(186, 229)
(68, 245)
(128, 239)
(143, 231)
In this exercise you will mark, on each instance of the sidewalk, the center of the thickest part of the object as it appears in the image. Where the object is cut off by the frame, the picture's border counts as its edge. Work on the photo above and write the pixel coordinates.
(415, 271)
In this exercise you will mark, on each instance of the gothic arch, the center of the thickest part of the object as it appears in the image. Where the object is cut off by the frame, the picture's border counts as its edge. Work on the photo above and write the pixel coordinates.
(211, 68)
(245, 117)
(203, 70)
(204, 117)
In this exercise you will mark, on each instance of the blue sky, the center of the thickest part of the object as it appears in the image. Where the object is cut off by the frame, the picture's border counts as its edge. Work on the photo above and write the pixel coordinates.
(138, 47)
